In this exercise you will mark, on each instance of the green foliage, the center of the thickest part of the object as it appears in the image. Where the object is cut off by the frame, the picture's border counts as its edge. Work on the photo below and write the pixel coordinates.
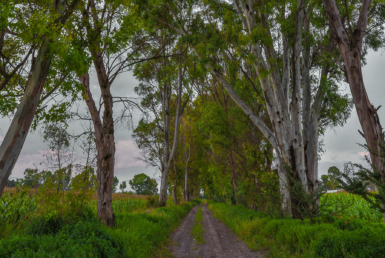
(32, 178)
(329, 182)
(144, 185)
(115, 183)
(143, 233)
(47, 224)
(82, 186)
(357, 179)
(351, 206)
(123, 186)
(152, 200)
(83, 239)
(341, 237)
(15, 207)
(128, 205)
(198, 231)
(368, 242)
(63, 233)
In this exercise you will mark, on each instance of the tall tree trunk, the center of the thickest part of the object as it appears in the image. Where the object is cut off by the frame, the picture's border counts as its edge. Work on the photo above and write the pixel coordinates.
(350, 46)
(235, 185)
(169, 155)
(175, 186)
(21, 123)
(175, 192)
(163, 186)
(105, 145)
(185, 189)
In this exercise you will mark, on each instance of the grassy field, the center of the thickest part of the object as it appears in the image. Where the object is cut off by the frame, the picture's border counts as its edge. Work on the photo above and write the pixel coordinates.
(30, 229)
(357, 231)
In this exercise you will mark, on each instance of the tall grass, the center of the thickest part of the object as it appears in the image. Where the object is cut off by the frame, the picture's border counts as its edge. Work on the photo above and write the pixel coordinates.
(334, 237)
(128, 205)
(139, 229)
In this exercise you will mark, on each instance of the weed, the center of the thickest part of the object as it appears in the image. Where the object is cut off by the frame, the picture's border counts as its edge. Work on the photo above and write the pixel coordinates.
(297, 238)
(198, 231)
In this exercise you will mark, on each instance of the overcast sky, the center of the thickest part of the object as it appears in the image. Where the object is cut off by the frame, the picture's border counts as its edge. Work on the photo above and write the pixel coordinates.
(340, 143)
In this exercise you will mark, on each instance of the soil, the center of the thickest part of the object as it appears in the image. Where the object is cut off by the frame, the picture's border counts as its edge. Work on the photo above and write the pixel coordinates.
(219, 240)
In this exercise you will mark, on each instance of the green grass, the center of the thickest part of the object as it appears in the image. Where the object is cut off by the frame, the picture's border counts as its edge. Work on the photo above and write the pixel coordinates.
(338, 238)
(139, 230)
(129, 205)
(198, 231)
(143, 233)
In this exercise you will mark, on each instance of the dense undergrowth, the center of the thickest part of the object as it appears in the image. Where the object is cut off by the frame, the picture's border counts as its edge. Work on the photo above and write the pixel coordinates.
(332, 235)
(29, 230)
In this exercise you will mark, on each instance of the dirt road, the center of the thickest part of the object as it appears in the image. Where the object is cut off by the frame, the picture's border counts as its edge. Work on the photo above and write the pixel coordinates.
(219, 240)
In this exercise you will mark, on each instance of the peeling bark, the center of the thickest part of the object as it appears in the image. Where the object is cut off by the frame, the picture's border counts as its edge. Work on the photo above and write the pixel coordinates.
(105, 146)
(169, 155)
(185, 189)
(350, 48)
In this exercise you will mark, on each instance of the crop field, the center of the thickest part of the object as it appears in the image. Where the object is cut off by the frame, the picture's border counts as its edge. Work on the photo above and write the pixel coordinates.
(350, 205)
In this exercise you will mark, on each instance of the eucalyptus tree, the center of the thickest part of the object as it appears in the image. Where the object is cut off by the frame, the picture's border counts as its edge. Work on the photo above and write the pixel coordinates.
(162, 83)
(294, 76)
(46, 32)
(59, 142)
(357, 28)
(114, 49)
(14, 52)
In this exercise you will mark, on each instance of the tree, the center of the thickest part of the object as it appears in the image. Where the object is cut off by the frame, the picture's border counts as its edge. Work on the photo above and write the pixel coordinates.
(123, 186)
(32, 178)
(330, 182)
(22, 120)
(58, 139)
(108, 31)
(349, 33)
(144, 185)
(269, 37)
(162, 82)
(115, 183)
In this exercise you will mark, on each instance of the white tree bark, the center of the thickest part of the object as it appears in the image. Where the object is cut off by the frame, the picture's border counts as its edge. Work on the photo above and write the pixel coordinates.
(169, 156)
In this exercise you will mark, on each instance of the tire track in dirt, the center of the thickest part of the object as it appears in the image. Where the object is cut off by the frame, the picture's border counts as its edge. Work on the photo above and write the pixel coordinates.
(219, 240)
(184, 245)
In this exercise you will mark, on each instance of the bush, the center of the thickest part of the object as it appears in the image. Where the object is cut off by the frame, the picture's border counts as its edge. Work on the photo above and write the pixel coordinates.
(152, 200)
(360, 244)
(84, 239)
(49, 224)
(331, 236)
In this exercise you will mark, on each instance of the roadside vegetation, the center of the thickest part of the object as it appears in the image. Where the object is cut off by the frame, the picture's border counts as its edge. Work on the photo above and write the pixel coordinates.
(30, 229)
(232, 101)
(347, 232)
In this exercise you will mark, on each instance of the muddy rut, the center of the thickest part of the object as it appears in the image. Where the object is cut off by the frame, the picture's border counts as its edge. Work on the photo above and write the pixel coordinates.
(219, 240)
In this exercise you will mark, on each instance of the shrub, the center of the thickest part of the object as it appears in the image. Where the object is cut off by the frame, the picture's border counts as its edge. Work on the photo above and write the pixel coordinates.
(84, 239)
(152, 200)
(332, 236)
(360, 244)
(15, 207)
(49, 224)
